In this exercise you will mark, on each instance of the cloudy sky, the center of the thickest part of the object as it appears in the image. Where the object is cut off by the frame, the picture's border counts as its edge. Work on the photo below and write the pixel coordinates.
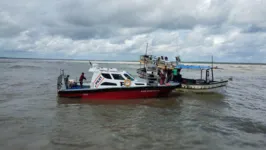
(231, 30)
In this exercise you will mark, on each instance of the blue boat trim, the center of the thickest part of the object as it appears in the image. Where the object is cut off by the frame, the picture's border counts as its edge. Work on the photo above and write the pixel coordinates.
(182, 66)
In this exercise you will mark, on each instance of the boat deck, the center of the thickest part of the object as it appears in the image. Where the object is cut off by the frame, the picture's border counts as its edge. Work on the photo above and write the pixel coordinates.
(77, 87)
(87, 88)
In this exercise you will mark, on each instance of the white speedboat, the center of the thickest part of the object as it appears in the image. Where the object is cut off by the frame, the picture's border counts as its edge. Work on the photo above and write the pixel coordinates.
(111, 84)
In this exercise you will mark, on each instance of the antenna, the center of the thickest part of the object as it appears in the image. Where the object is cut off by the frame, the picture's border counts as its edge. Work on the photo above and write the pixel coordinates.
(145, 65)
(145, 55)
(146, 49)
(212, 61)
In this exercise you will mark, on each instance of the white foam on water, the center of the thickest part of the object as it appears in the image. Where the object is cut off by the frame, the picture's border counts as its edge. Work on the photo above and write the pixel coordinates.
(104, 62)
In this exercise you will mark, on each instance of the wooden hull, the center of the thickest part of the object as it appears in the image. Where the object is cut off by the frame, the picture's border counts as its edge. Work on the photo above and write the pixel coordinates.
(215, 87)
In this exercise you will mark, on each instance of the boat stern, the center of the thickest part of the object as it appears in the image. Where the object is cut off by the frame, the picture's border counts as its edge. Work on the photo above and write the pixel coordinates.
(60, 80)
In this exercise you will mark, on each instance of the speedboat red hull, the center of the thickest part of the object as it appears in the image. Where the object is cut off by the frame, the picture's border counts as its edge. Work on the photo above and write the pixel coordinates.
(119, 93)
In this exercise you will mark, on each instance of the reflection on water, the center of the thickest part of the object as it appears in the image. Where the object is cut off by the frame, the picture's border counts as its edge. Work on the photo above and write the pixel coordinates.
(99, 124)
(145, 121)
(205, 96)
(171, 101)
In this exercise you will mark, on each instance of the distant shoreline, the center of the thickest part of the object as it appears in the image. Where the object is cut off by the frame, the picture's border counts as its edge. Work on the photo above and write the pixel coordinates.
(133, 61)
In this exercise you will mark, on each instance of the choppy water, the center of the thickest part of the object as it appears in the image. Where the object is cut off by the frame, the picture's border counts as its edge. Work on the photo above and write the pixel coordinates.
(32, 117)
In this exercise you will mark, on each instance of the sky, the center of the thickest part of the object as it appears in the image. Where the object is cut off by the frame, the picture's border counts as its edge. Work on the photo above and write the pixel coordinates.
(230, 30)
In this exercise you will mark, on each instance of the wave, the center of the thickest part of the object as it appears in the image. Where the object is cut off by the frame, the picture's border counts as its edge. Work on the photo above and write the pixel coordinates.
(24, 66)
(245, 124)
(105, 62)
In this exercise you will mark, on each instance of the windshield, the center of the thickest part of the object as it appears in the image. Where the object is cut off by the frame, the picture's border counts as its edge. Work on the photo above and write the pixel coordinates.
(128, 76)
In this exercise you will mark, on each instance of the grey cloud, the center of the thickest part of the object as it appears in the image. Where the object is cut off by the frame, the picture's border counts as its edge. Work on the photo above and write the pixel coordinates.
(253, 29)
(182, 22)
(112, 15)
(8, 26)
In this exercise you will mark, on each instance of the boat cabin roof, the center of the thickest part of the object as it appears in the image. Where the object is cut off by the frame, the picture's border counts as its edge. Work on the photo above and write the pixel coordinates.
(146, 55)
(197, 67)
(100, 70)
(193, 67)
(106, 70)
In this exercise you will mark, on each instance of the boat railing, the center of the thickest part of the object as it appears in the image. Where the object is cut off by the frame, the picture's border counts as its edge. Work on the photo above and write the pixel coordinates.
(60, 79)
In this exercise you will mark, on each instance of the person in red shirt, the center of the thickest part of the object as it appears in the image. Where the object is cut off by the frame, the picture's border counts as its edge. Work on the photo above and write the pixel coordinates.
(162, 77)
(81, 78)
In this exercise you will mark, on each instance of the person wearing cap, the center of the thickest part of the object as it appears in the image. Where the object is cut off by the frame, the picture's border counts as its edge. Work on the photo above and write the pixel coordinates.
(81, 78)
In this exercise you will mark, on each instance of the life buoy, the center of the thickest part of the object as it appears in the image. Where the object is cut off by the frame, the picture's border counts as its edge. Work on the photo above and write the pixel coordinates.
(127, 82)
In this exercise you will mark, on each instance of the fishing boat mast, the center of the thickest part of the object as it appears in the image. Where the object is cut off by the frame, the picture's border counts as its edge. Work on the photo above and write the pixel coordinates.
(145, 66)
(212, 69)
(146, 49)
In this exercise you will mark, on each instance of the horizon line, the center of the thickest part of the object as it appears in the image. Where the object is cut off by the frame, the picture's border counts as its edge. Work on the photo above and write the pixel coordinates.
(220, 62)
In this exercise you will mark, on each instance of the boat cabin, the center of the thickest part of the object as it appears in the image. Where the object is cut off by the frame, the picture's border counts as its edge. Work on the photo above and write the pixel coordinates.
(111, 77)
(147, 59)
(102, 78)
(209, 77)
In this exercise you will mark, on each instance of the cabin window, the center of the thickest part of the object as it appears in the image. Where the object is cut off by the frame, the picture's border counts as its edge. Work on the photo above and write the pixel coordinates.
(128, 77)
(118, 77)
(109, 84)
(106, 75)
(139, 84)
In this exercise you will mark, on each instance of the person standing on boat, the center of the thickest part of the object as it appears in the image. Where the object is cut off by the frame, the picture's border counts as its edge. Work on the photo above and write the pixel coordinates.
(165, 72)
(81, 78)
(178, 60)
(207, 76)
(175, 75)
(162, 77)
(179, 78)
(169, 75)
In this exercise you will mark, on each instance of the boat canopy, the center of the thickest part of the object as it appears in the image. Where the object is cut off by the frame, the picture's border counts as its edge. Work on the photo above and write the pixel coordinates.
(182, 66)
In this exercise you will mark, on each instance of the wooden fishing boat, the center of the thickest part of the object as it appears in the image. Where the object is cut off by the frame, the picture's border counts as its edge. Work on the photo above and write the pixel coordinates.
(202, 85)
